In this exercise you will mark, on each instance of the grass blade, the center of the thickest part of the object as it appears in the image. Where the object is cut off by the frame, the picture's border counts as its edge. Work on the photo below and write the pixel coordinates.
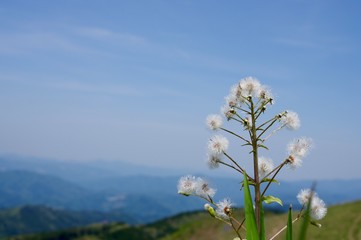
(252, 232)
(289, 225)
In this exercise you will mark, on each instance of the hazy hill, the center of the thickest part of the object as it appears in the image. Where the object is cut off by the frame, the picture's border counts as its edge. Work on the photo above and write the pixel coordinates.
(341, 222)
(31, 219)
(110, 186)
(22, 187)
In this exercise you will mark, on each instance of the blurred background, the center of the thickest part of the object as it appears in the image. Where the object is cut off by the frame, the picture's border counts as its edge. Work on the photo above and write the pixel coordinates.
(103, 103)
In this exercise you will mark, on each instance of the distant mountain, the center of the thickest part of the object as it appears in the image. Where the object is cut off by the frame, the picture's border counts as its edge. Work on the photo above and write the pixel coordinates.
(341, 222)
(110, 186)
(82, 173)
(22, 187)
(32, 219)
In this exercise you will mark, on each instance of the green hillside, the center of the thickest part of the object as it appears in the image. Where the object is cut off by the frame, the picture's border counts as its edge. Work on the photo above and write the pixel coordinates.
(341, 222)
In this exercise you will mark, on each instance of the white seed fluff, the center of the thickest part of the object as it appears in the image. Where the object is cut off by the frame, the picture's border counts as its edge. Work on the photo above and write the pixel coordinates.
(223, 208)
(218, 144)
(214, 121)
(299, 148)
(203, 190)
(187, 185)
(291, 120)
(265, 166)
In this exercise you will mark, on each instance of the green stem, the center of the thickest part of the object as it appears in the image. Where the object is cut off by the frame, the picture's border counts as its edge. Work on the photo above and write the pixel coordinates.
(260, 126)
(259, 136)
(257, 189)
(231, 166)
(235, 134)
(284, 162)
(269, 183)
(232, 160)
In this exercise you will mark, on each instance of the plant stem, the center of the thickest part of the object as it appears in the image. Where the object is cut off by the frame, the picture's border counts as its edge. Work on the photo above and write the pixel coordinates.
(257, 189)
(284, 228)
(269, 183)
(232, 160)
(275, 120)
(235, 134)
(229, 165)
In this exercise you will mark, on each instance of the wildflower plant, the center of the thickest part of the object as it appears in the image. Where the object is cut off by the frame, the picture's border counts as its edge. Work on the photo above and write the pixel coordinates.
(246, 105)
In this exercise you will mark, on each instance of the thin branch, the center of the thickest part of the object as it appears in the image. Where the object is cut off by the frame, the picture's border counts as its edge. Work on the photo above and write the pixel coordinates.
(232, 160)
(273, 132)
(259, 136)
(284, 228)
(269, 183)
(235, 134)
(234, 228)
(231, 166)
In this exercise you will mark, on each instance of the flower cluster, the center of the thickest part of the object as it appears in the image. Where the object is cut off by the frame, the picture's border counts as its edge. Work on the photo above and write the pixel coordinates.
(245, 105)
(190, 185)
(247, 88)
(318, 208)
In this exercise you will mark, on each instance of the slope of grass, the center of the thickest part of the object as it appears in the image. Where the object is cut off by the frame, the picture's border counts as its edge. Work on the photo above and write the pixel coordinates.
(341, 222)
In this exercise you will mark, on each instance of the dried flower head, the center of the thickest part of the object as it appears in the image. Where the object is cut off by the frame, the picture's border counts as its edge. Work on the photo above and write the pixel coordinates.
(291, 120)
(213, 161)
(214, 121)
(203, 190)
(218, 144)
(299, 148)
(318, 207)
(228, 111)
(265, 166)
(224, 208)
(187, 185)
(250, 87)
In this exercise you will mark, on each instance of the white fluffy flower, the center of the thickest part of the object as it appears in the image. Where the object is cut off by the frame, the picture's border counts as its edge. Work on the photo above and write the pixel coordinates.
(228, 111)
(250, 87)
(318, 209)
(304, 196)
(187, 185)
(265, 166)
(265, 94)
(299, 148)
(235, 96)
(224, 208)
(218, 144)
(214, 121)
(213, 161)
(203, 190)
(291, 120)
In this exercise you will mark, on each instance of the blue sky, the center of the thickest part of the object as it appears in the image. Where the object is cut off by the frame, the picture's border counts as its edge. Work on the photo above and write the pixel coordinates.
(134, 80)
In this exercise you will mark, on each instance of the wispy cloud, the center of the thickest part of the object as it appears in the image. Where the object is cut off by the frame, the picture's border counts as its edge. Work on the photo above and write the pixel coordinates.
(115, 89)
(107, 34)
(98, 88)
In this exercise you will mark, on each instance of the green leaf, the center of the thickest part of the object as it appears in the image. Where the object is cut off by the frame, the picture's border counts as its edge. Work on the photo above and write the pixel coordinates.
(252, 232)
(263, 146)
(270, 180)
(271, 199)
(289, 225)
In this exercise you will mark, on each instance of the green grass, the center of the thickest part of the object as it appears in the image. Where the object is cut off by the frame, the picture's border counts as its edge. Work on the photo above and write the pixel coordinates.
(341, 222)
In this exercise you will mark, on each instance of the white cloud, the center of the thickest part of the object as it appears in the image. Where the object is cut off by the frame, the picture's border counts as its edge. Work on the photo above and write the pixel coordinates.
(107, 34)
